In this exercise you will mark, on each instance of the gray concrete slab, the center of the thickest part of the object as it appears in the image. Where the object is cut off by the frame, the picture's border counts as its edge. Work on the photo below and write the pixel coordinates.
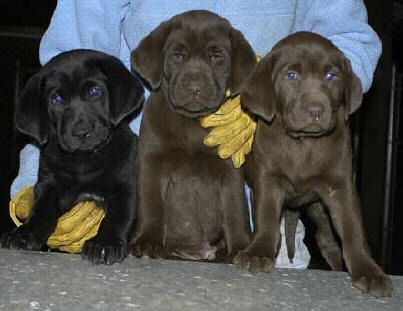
(52, 281)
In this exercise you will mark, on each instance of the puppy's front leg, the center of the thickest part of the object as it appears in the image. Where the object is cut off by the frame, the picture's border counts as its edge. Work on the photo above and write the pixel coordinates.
(34, 233)
(110, 244)
(342, 200)
(236, 220)
(268, 199)
(149, 237)
(324, 236)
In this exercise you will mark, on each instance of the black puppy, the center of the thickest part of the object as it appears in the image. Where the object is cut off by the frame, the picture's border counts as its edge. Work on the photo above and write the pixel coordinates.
(75, 108)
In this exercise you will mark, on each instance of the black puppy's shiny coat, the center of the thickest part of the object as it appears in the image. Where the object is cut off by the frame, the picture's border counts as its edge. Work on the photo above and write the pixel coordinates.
(76, 109)
(189, 198)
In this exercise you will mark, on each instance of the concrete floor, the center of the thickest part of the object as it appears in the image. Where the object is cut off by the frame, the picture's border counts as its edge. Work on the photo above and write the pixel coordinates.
(52, 281)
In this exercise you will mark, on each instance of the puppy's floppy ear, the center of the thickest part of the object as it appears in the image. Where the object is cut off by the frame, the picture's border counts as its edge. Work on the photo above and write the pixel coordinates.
(147, 59)
(31, 113)
(257, 94)
(352, 89)
(125, 91)
(243, 60)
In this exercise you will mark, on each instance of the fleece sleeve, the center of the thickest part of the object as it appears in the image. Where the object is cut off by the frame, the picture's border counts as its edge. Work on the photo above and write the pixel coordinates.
(85, 24)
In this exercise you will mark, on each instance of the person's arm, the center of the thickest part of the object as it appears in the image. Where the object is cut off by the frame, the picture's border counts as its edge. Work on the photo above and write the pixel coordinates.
(85, 24)
(345, 23)
(28, 171)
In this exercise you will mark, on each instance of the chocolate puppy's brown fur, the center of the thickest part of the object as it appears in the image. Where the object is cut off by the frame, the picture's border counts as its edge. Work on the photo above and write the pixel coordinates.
(189, 199)
(324, 236)
(303, 92)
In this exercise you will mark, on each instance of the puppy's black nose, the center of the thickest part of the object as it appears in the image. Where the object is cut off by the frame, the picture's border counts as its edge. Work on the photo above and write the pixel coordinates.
(82, 132)
(193, 90)
(315, 111)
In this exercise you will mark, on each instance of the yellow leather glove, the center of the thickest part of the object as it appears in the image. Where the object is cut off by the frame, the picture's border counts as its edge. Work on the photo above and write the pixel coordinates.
(233, 131)
(73, 228)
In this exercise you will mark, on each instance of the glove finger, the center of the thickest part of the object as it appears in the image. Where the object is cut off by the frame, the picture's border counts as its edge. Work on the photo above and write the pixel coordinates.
(218, 118)
(229, 148)
(222, 134)
(238, 158)
(72, 242)
(228, 111)
(21, 205)
(82, 226)
(69, 221)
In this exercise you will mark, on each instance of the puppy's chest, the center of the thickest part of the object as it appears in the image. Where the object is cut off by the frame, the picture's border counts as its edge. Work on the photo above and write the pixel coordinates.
(79, 171)
(301, 162)
(172, 131)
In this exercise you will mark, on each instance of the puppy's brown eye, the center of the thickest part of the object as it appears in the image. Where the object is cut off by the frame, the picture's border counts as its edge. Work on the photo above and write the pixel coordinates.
(57, 99)
(96, 91)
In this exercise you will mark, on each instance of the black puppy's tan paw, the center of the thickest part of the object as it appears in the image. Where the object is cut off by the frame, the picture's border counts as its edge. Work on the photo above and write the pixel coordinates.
(22, 238)
(104, 251)
(149, 248)
(254, 263)
(375, 283)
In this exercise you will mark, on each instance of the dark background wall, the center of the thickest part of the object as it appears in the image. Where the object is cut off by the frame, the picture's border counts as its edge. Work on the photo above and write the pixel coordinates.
(377, 129)
(21, 26)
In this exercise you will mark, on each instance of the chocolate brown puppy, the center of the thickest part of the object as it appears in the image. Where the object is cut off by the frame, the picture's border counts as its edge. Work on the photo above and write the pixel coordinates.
(303, 92)
(189, 199)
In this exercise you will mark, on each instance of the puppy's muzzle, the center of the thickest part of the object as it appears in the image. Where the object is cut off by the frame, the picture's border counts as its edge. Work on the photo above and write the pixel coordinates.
(84, 136)
(83, 131)
(315, 111)
(193, 89)
(193, 94)
(311, 115)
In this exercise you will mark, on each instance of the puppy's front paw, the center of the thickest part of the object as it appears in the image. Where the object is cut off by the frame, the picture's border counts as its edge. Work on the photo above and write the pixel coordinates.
(147, 247)
(375, 283)
(104, 251)
(253, 262)
(22, 238)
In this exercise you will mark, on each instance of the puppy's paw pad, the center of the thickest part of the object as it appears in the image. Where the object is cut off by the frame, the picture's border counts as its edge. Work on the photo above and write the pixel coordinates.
(149, 249)
(253, 263)
(20, 238)
(376, 284)
(104, 251)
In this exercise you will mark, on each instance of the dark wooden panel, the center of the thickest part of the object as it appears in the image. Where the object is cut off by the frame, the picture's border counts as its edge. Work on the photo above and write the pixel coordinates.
(374, 115)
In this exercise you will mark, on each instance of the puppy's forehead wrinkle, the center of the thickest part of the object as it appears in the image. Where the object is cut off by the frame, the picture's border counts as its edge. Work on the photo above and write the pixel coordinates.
(57, 79)
(73, 78)
(306, 60)
(197, 41)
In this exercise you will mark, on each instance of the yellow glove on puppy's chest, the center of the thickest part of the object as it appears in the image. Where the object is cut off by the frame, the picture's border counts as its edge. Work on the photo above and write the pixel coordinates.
(73, 228)
(233, 131)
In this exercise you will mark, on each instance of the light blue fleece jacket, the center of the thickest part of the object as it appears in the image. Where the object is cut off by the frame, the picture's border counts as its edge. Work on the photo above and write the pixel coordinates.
(117, 26)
